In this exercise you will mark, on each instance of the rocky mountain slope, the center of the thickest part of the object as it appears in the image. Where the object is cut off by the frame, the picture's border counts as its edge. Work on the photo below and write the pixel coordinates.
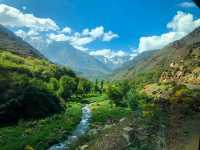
(185, 52)
(135, 64)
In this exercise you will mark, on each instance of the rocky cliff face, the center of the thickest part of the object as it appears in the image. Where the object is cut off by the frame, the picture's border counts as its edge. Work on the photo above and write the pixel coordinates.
(186, 69)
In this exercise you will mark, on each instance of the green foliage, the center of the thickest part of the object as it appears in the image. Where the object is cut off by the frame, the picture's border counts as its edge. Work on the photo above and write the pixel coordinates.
(102, 86)
(117, 92)
(32, 67)
(41, 133)
(132, 99)
(145, 78)
(67, 87)
(103, 111)
(114, 93)
(96, 86)
(29, 87)
(26, 98)
(84, 86)
(53, 85)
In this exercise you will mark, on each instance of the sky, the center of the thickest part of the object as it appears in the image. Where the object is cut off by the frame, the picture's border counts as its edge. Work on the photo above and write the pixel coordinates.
(101, 27)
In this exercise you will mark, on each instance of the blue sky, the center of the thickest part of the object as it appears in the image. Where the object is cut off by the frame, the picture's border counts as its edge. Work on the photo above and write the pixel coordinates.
(127, 20)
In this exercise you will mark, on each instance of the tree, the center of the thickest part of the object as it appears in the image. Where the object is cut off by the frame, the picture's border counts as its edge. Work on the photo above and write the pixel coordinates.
(67, 87)
(63, 71)
(114, 94)
(102, 86)
(84, 86)
(96, 86)
(124, 87)
(132, 99)
(53, 85)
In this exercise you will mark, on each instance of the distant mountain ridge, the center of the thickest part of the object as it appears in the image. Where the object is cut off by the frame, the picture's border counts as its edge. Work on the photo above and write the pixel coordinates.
(114, 62)
(10, 42)
(58, 52)
(84, 64)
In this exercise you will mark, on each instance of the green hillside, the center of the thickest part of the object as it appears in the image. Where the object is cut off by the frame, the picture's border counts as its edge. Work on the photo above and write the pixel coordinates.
(24, 84)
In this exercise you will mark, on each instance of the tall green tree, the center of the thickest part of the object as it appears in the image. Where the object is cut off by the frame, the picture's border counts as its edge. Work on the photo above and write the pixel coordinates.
(114, 93)
(102, 86)
(96, 86)
(67, 87)
(84, 86)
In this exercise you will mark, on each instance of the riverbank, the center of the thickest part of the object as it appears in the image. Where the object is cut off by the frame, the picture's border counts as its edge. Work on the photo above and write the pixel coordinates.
(39, 134)
(80, 130)
(44, 133)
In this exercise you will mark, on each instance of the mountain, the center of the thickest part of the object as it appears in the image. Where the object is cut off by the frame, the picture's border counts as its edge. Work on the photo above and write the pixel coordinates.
(10, 42)
(83, 63)
(184, 51)
(133, 64)
(57, 52)
(114, 62)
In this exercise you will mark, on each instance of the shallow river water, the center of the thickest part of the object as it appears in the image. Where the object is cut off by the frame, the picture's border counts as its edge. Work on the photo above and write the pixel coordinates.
(81, 129)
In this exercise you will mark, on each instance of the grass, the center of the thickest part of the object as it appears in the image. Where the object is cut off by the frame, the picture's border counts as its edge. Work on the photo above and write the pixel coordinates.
(97, 98)
(42, 133)
(102, 111)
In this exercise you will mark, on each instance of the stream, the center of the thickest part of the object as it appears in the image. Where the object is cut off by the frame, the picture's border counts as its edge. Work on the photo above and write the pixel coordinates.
(81, 129)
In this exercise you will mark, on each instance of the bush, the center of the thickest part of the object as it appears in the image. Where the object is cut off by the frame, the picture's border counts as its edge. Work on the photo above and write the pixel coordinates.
(24, 100)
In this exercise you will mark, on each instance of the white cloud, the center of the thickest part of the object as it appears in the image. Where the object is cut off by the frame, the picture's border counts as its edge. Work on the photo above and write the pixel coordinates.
(157, 42)
(33, 32)
(58, 37)
(80, 41)
(187, 4)
(81, 48)
(97, 32)
(87, 36)
(32, 28)
(67, 30)
(34, 38)
(182, 24)
(109, 36)
(21, 34)
(86, 32)
(76, 40)
(10, 16)
(108, 53)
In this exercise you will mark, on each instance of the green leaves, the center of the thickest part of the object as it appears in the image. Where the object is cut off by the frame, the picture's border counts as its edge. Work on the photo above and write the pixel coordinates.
(67, 87)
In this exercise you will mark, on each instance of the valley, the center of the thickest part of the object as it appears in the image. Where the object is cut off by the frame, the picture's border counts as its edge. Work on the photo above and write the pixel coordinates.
(59, 91)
